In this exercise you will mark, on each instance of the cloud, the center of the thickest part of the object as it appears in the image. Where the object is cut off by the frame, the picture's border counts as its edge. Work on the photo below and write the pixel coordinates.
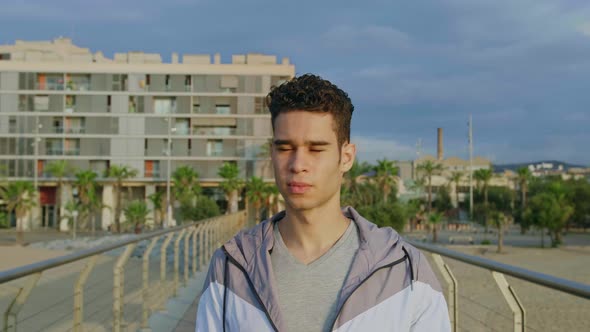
(363, 37)
(373, 148)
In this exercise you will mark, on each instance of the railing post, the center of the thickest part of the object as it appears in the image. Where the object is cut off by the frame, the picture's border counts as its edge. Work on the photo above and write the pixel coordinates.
(512, 300)
(118, 283)
(176, 258)
(19, 301)
(452, 284)
(79, 294)
(197, 227)
(163, 259)
(146, 282)
(186, 253)
(187, 238)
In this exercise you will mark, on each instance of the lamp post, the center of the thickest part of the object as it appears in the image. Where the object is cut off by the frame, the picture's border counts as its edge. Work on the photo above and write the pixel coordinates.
(35, 144)
(168, 173)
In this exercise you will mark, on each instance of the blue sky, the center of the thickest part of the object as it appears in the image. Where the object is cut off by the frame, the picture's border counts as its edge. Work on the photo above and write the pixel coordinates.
(521, 67)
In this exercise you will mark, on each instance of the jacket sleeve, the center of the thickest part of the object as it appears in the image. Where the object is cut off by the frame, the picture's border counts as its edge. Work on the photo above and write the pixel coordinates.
(431, 311)
(209, 312)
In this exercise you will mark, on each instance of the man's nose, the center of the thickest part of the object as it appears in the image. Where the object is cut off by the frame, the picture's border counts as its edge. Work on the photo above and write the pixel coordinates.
(299, 161)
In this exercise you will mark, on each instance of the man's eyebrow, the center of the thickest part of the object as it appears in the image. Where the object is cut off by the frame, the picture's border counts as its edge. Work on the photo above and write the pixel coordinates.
(308, 143)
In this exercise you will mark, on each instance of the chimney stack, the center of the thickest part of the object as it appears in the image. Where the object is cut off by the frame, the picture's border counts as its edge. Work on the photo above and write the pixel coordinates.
(440, 145)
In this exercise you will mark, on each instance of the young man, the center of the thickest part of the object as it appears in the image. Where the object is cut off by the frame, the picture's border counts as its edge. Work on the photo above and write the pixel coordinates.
(317, 266)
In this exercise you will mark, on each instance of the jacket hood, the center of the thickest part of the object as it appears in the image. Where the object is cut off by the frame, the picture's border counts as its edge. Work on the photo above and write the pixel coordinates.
(378, 246)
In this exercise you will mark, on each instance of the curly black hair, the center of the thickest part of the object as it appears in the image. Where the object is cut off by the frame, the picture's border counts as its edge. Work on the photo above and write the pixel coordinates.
(313, 94)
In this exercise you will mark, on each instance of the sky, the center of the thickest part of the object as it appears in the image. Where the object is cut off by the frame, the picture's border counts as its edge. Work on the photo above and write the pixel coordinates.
(520, 67)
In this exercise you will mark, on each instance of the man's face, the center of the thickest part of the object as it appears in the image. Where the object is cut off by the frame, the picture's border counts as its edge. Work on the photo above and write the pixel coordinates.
(307, 163)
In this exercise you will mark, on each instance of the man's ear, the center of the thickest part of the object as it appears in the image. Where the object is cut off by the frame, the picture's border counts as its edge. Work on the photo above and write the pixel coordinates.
(347, 156)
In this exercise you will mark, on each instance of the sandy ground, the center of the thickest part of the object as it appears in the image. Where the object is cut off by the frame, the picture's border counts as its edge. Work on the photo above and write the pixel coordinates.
(482, 307)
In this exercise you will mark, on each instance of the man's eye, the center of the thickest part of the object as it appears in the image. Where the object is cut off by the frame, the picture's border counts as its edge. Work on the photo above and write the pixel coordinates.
(315, 150)
(283, 148)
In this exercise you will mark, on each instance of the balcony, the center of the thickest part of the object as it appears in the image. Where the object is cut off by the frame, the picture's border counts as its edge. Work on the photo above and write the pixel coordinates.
(49, 86)
(72, 151)
(54, 151)
(215, 131)
(76, 130)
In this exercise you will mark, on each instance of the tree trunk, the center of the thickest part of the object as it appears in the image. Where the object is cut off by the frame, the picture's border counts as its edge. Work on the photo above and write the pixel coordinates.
(429, 194)
(457, 194)
(556, 239)
(434, 233)
(233, 208)
(20, 235)
(543, 237)
(118, 208)
(500, 238)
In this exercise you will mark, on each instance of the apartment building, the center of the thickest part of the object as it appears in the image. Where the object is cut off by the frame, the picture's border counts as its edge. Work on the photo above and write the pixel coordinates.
(60, 101)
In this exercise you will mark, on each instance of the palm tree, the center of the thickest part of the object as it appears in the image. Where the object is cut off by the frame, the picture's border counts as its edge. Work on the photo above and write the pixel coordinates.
(385, 176)
(59, 169)
(456, 179)
(86, 185)
(434, 219)
(524, 177)
(186, 185)
(351, 177)
(270, 198)
(428, 169)
(231, 185)
(158, 199)
(119, 173)
(136, 213)
(255, 192)
(483, 176)
(265, 153)
(19, 197)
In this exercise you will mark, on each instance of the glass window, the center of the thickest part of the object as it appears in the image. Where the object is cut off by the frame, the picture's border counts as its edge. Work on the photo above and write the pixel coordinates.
(164, 105)
(214, 148)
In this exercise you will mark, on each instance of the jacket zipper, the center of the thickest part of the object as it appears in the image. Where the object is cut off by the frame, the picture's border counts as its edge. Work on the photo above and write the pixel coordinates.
(362, 282)
(234, 262)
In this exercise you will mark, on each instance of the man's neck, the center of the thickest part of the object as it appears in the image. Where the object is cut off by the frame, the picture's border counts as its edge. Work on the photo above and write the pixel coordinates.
(310, 234)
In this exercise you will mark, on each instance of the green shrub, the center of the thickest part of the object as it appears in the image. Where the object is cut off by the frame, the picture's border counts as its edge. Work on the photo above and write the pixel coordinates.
(486, 242)
(204, 208)
(385, 215)
(4, 223)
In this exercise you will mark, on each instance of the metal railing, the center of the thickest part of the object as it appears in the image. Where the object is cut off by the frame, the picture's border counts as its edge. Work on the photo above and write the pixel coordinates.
(183, 251)
(498, 271)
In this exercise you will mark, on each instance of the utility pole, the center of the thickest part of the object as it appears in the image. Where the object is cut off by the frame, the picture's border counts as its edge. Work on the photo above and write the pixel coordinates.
(470, 167)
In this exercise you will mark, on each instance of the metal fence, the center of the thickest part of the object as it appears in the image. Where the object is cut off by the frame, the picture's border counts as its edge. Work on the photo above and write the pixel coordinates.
(498, 271)
(112, 287)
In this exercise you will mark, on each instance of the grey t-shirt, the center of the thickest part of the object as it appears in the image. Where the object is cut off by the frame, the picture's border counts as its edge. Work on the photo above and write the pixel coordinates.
(308, 294)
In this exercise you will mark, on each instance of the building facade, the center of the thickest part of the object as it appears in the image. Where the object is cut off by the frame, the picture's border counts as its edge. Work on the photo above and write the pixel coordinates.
(62, 102)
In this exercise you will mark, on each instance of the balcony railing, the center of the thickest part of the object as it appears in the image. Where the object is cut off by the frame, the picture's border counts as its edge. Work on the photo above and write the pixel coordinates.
(72, 151)
(76, 130)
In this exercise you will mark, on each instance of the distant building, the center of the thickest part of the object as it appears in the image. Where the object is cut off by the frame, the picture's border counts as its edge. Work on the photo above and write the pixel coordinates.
(59, 101)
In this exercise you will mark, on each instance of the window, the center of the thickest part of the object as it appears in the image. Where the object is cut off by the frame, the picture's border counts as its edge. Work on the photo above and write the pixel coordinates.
(214, 148)
(41, 103)
(164, 105)
(196, 108)
(222, 109)
(152, 168)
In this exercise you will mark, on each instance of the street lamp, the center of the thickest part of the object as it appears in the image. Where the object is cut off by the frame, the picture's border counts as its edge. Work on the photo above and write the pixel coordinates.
(168, 173)
(35, 145)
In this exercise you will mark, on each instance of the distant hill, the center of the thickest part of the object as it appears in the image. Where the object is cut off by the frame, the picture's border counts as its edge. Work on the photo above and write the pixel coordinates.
(556, 164)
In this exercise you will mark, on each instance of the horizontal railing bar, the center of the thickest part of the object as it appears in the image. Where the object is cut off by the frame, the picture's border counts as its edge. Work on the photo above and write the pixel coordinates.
(21, 271)
(560, 284)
